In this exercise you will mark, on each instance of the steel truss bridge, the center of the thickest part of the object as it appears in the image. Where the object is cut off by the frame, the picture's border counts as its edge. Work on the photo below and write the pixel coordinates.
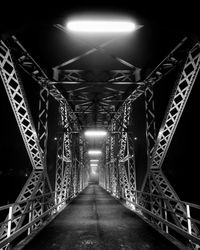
(109, 106)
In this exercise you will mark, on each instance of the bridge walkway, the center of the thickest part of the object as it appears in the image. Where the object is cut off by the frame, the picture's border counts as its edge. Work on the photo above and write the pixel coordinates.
(95, 220)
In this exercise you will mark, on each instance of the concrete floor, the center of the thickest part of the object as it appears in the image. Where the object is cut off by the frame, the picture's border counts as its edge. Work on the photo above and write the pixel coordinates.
(95, 220)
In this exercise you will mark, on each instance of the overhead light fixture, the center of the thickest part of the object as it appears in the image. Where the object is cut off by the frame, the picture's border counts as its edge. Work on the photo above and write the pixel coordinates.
(94, 160)
(93, 165)
(95, 133)
(101, 26)
(94, 152)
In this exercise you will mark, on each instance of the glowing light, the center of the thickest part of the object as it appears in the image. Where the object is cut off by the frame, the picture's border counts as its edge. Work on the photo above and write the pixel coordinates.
(95, 133)
(93, 165)
(101, 26)
(94, 160)
(93, 172)
(94, 152)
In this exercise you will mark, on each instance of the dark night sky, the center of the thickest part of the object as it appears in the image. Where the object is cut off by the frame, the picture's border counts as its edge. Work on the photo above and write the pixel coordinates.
(165, 24)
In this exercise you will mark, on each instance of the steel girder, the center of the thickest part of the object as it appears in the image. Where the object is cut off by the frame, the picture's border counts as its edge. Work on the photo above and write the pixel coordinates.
(176, 106)
(126, 159)
(150, 122)
(114, 159)
(29, 202)
(42, 121)
(155, 180)
(64, 159)
(107, 168)
(16, 95)
(112, 163)
(81, 165)
(70, 179)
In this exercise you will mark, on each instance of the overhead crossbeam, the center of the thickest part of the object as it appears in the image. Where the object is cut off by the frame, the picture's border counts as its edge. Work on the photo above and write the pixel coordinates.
(75, 76)
(100, 48)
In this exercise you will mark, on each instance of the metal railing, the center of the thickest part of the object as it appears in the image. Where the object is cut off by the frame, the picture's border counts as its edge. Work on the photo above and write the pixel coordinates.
(165, 221)
(10, 238)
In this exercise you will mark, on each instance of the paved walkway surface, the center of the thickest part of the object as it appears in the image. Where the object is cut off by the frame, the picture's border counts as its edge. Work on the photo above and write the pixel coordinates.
(96, 221)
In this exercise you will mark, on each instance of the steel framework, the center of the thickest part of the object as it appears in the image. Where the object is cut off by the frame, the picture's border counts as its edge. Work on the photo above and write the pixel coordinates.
(157, 202)
(37, 203)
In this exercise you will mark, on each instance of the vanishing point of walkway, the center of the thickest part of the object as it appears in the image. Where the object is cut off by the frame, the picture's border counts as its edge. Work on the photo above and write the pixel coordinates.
(96, 221)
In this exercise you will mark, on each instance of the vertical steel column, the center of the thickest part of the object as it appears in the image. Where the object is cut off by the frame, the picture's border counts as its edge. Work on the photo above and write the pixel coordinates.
(126, 159)
(43, 121)
(113, 160)
(38, 206)
(112, 163)
(81, 165)
(131, 169)
(108, 177)
(63, 162)
(149, 185)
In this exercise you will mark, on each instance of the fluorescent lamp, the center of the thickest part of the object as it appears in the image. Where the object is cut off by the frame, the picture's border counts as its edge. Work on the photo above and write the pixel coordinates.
(93, 165)
(100, 26)
(95, 133)
(94, 160)
(94, 152)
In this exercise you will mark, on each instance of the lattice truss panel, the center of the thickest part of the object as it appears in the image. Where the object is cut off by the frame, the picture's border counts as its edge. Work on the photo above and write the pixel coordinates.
(20, 108)
(27, 63)
(150, 121)
(155, 181)
(127, 173)
(108, 180)
(70, 172)
(144, 199)
(113, 161)
(74, 177)
(42, 121)
(32, 200)
(64, 159)
(81, 166)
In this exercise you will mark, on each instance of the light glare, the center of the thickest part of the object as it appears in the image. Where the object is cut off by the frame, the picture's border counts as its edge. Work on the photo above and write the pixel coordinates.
(101, 26)
(94, 152)
(93, 165)
(95, 133)
(94, 160)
